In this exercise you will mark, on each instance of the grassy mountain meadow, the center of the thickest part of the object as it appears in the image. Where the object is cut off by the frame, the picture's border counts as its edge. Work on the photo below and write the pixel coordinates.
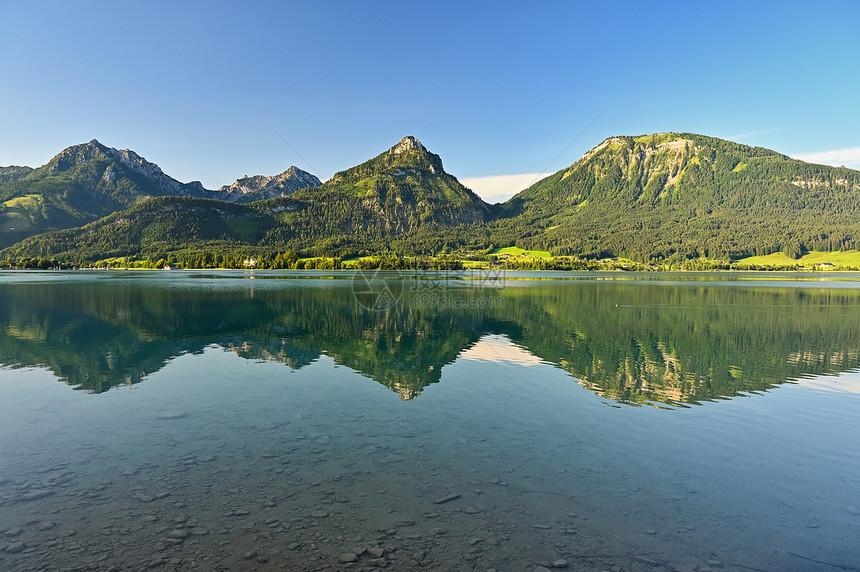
(669, 197)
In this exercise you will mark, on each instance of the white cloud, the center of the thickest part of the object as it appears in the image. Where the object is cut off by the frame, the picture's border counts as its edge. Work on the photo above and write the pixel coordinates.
(850, 157)
(499, 188)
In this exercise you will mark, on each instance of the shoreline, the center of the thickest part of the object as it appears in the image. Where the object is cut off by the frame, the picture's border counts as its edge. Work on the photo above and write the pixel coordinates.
(476, 270)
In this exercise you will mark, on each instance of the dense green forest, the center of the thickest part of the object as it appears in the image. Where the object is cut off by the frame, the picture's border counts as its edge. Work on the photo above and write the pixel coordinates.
(658, 201)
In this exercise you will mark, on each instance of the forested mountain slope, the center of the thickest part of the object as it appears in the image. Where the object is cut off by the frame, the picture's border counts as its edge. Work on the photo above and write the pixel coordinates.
(655, 196)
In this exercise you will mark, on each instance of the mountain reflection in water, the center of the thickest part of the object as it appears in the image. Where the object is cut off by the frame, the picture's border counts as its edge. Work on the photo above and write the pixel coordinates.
(632, 342)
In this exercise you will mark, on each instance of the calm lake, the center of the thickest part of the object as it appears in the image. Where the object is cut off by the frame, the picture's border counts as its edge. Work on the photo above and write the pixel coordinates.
(204, 420)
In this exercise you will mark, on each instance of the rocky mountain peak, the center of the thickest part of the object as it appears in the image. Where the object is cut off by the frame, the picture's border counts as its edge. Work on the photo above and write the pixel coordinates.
(408, 156)
(258, 187)
(408, 143)
(75, 155)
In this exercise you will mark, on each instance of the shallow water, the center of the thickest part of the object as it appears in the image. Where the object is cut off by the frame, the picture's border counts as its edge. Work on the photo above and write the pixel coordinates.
(613, 421)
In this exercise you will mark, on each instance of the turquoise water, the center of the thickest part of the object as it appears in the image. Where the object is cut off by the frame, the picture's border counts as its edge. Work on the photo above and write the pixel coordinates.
(229, 420)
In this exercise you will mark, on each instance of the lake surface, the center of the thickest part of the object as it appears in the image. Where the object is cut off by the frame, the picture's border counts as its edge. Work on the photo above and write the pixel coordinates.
(310, 421)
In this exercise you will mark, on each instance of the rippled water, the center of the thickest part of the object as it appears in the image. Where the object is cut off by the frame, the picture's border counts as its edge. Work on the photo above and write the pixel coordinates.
(613, 421)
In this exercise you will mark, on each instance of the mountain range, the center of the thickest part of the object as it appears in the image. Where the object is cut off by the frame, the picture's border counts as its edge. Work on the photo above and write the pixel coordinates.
(86, 182)
(652, 197)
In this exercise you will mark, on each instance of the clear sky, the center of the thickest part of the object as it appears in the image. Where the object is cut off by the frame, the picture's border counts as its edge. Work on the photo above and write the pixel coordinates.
(213, 91)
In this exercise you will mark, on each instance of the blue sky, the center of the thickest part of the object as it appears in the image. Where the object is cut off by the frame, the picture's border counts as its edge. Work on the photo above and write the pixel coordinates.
(211, 91)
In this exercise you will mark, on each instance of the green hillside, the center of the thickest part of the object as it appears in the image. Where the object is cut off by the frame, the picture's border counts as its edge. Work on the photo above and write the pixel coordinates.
(685, 195)
(400, 200)
(154, 228)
